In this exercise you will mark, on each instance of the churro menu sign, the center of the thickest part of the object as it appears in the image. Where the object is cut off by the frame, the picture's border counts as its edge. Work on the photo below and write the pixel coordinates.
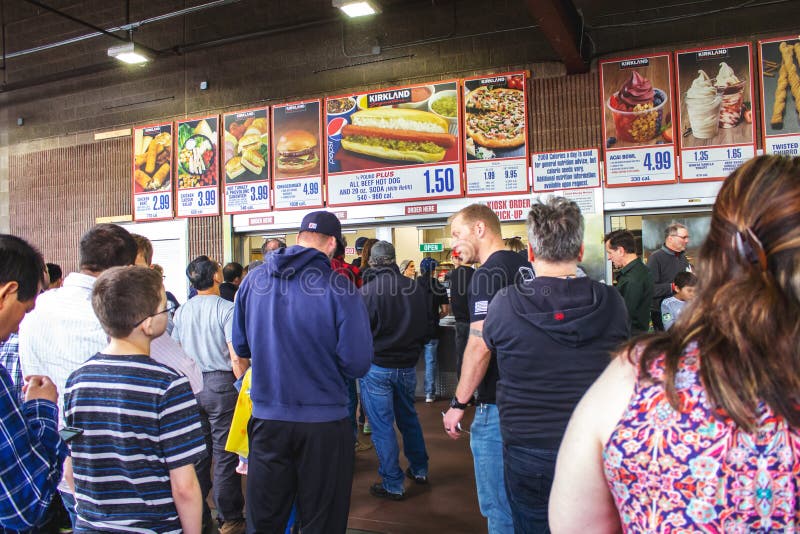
(715, 88)
(197, 149)
(297, 153)
(394, 145)
(637, 120)
(152, 172)
(245, 143)
(566, 169)
(496, 134)
(779, 67)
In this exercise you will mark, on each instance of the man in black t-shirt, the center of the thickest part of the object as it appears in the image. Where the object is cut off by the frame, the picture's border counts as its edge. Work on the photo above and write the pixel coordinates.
(477, 238)
(460, 278)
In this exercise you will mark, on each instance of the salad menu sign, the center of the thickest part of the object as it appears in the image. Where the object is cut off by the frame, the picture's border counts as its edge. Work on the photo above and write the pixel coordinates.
(394, 145)
(715, 88)
(779, 68)
(297, 130)
(196, 170)
(496, 134)
(152, 166)
(637, 120)
(246, 151)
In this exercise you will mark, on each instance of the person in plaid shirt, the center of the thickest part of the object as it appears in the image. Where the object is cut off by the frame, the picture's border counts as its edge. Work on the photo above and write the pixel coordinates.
(9, 358)
(32, 451)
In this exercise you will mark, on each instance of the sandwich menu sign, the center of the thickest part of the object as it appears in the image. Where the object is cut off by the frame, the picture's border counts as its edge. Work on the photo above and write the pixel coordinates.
(394, 145)
(196, 170)
(297, 169)
(152, 172)
(245, 143)
(496, 134)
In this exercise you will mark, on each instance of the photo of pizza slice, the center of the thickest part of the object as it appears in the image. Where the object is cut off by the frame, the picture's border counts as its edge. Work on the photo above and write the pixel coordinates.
(495, 118)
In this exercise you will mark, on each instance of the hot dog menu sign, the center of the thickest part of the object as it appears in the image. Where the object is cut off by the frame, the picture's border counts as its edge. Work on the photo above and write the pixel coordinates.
(394, 145)
(245, 145)
(296, 154)
(152, 172)
(197, 166)
(496, 134)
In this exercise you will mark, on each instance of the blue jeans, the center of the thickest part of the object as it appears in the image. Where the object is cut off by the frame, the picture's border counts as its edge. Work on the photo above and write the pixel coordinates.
(388, 397)
(529, 477)
(487, 453)
(431, 367)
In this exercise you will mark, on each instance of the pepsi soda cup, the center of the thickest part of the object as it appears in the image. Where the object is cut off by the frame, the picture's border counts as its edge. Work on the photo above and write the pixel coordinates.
(334, 131)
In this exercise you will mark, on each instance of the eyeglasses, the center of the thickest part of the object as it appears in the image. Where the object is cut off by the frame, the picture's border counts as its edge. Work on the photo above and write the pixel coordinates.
(165, 310)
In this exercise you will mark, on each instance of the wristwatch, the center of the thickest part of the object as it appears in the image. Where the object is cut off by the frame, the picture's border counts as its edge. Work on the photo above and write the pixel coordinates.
(457, 405)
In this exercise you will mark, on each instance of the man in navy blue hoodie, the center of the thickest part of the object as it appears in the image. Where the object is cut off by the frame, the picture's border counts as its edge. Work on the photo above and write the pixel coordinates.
(554, 335)
(305, 329)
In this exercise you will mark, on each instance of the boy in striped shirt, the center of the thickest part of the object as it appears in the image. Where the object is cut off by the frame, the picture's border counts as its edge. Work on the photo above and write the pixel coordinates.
(133, 466)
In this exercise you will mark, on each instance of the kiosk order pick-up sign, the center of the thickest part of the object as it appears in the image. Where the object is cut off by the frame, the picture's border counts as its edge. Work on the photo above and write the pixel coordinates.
(394, 145)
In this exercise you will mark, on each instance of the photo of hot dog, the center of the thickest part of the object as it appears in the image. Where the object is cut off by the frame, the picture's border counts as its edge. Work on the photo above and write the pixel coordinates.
(398, 135)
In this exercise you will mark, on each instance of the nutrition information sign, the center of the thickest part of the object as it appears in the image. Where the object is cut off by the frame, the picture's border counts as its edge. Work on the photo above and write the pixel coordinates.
(715, 110)
(565, 169)
(636, 96)
(394, 145)
(245, 168)
(496, 134)
(779, 68)
(197, 183)
(151, 177)
(297, 152)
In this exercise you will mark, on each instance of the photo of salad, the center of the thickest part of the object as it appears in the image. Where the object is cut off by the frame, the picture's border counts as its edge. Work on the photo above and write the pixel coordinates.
(197, 153)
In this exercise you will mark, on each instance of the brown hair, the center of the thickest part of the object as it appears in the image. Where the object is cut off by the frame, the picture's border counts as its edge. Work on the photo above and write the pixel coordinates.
(125, 296)
(480, 212)
(143, 247)
(745, 315)
(366, 251)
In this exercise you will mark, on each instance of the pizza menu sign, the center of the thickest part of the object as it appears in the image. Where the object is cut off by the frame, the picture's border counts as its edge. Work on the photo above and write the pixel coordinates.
(496, 134)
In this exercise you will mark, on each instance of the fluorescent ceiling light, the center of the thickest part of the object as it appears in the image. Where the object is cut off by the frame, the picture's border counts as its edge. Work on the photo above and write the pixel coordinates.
(355, 8)
(128, 54)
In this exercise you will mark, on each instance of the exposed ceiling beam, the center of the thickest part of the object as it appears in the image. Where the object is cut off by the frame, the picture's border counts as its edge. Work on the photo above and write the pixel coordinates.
(559, 21)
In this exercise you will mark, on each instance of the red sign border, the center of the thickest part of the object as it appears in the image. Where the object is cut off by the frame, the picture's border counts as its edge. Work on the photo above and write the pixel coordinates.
(175, 169)
(322, 168)
(674, 145)
(679, 100)
(133, 173)
(463, 117)
(460, 161)
(760, 55)
(599, 171)
(223, 174)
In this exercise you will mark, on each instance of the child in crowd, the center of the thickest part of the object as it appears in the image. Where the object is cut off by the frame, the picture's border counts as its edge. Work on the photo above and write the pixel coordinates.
(684, 288)
(134, 463)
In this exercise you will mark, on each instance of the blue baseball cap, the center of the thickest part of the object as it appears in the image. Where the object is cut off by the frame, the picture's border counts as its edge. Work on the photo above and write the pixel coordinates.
(323, 222)
(428, 265)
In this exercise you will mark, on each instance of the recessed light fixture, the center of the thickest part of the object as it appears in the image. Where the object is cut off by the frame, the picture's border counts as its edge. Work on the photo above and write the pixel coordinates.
(128, 53)
(356, 8)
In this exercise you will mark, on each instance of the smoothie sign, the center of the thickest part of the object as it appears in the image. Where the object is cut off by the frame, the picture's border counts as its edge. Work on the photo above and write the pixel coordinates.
(496, 134)
(394, 145)
(152, 172)
(637, 121)
(246, 152)
(196, 170)
(779, 66)
(296, 155)
(715, 88)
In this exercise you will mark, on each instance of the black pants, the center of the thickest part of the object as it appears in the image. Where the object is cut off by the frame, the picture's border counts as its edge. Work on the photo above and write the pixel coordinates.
(311, 463)
(655, 317)
(462, 335)
(217, 403)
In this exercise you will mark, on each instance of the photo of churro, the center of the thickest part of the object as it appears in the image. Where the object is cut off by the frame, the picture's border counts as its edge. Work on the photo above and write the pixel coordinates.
(780, 76)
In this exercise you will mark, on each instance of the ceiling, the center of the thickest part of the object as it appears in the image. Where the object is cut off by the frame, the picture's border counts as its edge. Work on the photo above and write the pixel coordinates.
(35, 35)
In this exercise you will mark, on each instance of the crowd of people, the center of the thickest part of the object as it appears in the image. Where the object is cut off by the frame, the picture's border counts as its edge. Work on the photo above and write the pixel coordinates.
(122, 406)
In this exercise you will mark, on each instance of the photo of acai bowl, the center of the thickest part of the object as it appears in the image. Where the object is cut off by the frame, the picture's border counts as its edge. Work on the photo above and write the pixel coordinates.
(638, 110)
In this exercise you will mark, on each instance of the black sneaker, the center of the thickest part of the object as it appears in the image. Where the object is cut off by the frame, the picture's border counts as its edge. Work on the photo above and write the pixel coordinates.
(377, 490)
(419, 479)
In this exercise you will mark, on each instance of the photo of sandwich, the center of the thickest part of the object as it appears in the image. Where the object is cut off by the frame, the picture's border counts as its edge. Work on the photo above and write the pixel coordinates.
(402, 135)
(297, 152)
(246, 145)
